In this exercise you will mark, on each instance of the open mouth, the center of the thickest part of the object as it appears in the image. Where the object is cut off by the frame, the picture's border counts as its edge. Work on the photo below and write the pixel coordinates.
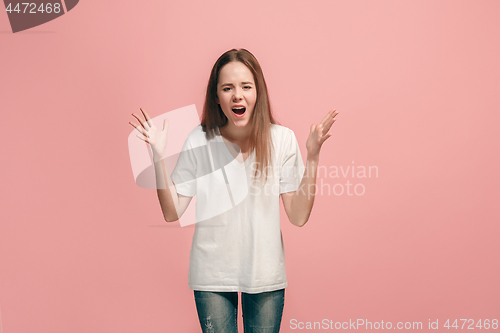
(239, 111)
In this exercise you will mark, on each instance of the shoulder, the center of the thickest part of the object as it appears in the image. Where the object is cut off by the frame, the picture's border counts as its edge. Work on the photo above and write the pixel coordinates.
(281, 133)
(196, 132)
(197, 137)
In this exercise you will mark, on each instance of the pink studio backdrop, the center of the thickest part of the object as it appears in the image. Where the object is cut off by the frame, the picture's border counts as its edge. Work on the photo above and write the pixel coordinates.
(84, 249)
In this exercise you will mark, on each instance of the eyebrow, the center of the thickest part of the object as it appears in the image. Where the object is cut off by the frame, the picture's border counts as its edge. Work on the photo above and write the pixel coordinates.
(230, 84)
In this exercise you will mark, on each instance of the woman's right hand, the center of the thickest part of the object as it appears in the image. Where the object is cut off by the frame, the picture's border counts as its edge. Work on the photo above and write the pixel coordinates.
(156, 138)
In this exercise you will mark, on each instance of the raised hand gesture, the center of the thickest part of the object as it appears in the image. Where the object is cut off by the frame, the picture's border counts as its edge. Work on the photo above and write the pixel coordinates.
(319, 134)
(155, 137)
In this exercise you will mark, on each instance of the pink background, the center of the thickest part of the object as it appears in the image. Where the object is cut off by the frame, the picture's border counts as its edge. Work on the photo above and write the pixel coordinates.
(84, 249)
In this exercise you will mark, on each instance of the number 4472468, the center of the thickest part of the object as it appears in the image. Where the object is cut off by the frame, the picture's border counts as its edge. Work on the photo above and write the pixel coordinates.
(43, 8)
(487, 324)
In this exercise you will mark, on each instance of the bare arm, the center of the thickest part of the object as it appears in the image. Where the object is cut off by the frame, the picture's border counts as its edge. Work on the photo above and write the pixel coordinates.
(173, 205)
(298, 205)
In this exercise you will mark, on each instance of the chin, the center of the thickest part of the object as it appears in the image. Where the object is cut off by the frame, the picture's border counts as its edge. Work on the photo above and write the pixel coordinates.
(240, 124)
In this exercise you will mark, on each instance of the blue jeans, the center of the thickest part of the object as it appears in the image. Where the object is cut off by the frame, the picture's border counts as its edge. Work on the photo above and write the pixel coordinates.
(218, 311)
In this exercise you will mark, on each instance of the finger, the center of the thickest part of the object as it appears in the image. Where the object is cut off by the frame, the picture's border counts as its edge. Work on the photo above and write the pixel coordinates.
(321, 129)
(328, 116)
(140, 129)
(165, 124)
(139, 119)
(333, 114)
(324, 138)
(143, 138)
(329, 124)
(313, 127)
(137, 127)
(325, 118)
(148, 118)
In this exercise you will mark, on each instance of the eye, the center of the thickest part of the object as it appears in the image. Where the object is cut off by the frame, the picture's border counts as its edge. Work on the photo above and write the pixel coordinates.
(248, 87)
(225, 89)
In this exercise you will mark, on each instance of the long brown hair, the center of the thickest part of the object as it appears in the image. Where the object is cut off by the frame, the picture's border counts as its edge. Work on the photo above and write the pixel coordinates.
(262, 118)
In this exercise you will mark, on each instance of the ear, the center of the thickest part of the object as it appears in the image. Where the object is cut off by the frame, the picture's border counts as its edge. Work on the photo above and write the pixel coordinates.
(217, 100)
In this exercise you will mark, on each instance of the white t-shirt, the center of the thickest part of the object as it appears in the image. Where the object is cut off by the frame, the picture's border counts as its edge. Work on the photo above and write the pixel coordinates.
(237, 243)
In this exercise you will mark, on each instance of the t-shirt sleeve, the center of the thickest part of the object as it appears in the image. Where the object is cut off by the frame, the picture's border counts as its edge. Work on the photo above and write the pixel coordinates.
(184, 173)
(292, 166)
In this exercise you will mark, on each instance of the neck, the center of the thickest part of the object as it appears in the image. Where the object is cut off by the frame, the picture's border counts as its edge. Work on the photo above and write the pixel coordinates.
(236, 134)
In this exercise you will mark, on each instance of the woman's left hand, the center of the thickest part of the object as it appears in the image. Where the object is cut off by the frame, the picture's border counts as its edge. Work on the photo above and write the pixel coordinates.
(319, 134)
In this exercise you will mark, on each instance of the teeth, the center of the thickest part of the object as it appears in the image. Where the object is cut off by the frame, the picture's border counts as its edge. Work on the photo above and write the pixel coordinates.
(239, 107)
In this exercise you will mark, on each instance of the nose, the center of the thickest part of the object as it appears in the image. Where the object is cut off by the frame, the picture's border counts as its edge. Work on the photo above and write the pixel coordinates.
(237, 94)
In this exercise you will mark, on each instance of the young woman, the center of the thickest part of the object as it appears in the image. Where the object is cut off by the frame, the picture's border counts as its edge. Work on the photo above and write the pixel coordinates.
(238, 162)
